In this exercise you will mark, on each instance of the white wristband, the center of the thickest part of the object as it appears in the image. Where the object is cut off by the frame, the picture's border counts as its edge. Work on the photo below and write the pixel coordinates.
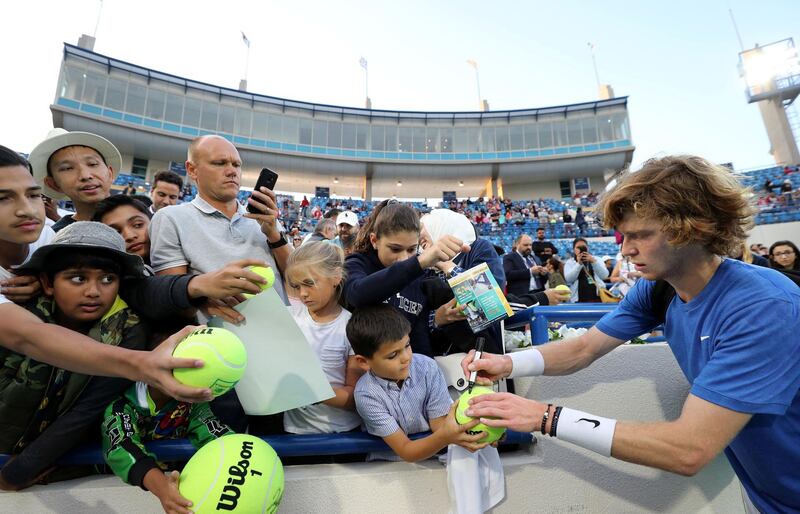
(529, 363)
(586, 430)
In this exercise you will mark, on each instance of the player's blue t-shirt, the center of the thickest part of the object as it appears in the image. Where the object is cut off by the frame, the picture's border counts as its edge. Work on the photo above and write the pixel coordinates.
(738, 343)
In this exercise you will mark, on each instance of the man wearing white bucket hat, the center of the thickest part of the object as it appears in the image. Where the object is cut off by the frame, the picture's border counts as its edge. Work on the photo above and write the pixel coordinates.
(75, 165)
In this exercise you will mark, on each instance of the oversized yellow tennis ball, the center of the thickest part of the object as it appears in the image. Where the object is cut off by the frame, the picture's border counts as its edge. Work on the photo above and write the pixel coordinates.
(267, 273)
(235, 473)
(222, 352)
(494, 433)
(563, 287)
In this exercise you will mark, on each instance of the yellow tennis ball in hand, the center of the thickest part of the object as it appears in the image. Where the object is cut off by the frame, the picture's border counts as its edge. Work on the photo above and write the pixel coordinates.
(235, 473)
(222, 352)
(563, 287)
(494, 433)
(268, 275)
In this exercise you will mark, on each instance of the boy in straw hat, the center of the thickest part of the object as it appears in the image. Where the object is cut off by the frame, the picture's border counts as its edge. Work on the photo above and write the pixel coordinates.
(75, 165)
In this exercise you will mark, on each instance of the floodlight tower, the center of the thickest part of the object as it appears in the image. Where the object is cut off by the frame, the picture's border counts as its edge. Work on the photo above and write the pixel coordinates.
(772, 80)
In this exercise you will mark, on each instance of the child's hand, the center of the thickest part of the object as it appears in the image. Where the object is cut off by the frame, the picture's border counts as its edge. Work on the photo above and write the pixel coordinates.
(165, 487)
(457, 434)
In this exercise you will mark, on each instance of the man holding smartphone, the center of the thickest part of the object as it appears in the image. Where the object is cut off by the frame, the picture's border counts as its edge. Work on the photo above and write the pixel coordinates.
(583, 273)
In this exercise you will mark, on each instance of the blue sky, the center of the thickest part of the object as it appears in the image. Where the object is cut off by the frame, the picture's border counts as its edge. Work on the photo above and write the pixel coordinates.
(677, 60)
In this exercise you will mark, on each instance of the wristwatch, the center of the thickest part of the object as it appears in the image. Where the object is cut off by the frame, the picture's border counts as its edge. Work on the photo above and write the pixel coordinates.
(280, 242)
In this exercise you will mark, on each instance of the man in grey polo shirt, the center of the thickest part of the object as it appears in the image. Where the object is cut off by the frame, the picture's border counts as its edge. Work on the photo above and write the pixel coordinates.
(214, 229)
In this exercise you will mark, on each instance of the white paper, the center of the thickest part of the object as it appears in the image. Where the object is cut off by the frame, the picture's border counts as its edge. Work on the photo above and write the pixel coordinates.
(282, 372)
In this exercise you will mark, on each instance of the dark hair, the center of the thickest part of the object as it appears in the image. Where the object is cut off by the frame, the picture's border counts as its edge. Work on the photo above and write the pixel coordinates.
(9, 157)
(331, 214)
(84, 258)
(579, 240)
(113, 202)
(790, 244)
(388, 217)
(556, 263)
(168, 177)
(370, 327)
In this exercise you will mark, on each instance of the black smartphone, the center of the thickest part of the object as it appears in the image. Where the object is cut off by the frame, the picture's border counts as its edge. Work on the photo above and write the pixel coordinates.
(267, 178)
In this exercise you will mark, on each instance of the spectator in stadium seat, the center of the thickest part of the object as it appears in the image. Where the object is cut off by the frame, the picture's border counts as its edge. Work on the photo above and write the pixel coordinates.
(75, 165)
(742, 361)
(166, 190)
(324, 231)
(742, 253)
(580, 221)
(540, 243)
(214, 229)
(783, 255)
(584, 273)
(523, 269)
(386, 267)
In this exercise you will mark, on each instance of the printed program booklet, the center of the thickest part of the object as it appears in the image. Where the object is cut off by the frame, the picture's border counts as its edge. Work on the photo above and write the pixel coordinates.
(485, 302)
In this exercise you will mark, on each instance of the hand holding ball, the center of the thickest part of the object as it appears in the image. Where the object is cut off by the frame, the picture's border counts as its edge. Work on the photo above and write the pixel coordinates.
(564, 290)
(494, 433)
(268, 275)
(235, 473)
(222, 352)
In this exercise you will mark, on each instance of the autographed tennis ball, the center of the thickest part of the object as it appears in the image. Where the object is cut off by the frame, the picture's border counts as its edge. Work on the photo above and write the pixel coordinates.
(494, 433)
(222, 352)
(268, 275)
(235, 473)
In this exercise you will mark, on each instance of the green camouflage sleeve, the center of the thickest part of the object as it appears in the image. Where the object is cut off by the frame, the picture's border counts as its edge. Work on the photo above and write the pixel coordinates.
(122, 445)
(204, 426)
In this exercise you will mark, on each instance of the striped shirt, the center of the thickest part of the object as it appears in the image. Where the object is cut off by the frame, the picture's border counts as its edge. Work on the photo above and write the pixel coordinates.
(386, 408)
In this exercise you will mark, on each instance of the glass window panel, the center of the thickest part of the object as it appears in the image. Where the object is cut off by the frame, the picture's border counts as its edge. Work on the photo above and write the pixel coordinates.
(156, 99)
(334, 134)
(606, 129)
(115, 93)
(487, 139)
(174, 110)
(560, 133)
(515, 137)
(191, 111)
(574, 132)
(501, 136)
(135, 102)
(432, 139)
(94, 89)
(320, 135)
(259, 129)
(545, 135)
(460, 140)
(619, 123)
(289, 130)
(362, 137)
(72, 82)
(304, 126)
(589, 126)
(474, 139)
(348, 135)
(391, 138)
(244, 117)
(446, 139)
(274, 127)
(404, 144)
(226, 119)
(531, 136)
(209, 119)
(376, 138)
(419, 139)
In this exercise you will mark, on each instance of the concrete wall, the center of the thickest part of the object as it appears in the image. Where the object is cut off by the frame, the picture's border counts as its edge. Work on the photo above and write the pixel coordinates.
(632, 383)
(768, 234)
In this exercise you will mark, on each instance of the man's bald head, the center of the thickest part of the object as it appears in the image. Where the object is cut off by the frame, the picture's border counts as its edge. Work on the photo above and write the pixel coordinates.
(199, 144)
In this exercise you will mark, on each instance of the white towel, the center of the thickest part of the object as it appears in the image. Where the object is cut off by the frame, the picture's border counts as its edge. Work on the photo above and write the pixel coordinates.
(475, 481)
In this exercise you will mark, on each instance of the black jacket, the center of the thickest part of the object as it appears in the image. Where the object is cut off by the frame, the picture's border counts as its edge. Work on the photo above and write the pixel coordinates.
(518, 274)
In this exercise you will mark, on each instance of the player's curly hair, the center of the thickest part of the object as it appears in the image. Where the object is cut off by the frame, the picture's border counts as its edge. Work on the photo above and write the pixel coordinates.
(695, 200)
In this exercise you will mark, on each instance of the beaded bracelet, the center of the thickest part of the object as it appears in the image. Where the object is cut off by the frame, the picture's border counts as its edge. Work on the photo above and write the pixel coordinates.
(544, 418)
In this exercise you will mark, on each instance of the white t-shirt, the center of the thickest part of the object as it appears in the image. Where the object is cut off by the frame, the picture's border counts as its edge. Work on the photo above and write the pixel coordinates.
(329, 342)
(44, 238)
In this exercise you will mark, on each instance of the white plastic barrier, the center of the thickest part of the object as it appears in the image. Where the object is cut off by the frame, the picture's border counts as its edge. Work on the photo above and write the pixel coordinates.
(639, 382)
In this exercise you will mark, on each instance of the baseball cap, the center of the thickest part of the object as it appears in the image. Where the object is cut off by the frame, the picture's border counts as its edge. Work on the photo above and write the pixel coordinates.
(348, 217)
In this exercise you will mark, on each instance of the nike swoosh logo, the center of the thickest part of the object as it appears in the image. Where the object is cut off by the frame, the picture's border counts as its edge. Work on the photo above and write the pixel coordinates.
(593, 421)
(703, 338)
